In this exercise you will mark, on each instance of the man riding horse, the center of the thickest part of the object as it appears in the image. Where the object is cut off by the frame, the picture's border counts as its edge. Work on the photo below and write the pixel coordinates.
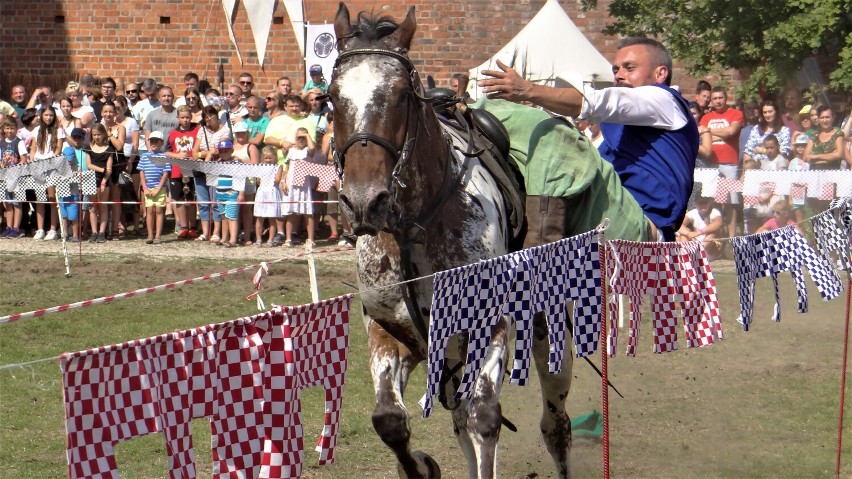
(650, 143)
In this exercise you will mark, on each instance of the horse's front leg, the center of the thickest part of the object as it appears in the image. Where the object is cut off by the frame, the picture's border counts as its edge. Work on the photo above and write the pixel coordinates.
(477, 422)
(390, 365)
(555, 423)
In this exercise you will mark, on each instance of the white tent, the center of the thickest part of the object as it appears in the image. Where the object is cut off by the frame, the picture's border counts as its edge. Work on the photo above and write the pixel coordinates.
(550, 45)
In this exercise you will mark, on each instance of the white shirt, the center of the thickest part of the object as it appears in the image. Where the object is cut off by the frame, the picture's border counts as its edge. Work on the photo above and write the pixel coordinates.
(641, 106)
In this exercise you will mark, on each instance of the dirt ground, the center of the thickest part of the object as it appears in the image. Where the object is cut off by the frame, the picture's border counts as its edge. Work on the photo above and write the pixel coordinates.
(758, 404)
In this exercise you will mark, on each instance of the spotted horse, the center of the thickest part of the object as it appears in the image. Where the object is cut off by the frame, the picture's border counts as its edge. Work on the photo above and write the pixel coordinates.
(419, 205)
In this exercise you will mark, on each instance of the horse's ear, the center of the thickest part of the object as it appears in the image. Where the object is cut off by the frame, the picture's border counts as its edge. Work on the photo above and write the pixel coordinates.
(407, 29)
(342, 27)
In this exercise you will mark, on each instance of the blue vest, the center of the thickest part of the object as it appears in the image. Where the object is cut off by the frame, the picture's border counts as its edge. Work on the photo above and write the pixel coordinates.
(656, 166)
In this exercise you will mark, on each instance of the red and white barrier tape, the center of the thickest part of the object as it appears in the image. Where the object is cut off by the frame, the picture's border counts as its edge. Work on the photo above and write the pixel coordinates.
(153, 289)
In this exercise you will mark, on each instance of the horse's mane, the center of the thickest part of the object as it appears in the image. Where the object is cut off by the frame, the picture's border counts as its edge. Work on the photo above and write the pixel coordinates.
(371, 28)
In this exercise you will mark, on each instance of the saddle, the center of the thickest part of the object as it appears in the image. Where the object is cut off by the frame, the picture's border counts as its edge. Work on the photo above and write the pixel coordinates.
(488, 140)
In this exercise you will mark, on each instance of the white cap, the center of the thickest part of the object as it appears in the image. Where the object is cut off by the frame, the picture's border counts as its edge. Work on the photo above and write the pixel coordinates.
(240, 127)
(156, 134)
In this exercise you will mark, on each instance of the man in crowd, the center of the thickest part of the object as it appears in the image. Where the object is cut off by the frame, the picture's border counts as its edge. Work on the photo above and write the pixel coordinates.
(255, 121)
(234, 111)
(281, 131)
(19, 100)
(284, 86)
(190, 80)
(246, 84)
(793, 103)
(725, 124)
(163, 119)
(641, 176)
(131, 92)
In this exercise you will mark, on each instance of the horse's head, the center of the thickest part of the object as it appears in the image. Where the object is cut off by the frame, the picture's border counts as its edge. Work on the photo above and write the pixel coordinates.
(373, 90)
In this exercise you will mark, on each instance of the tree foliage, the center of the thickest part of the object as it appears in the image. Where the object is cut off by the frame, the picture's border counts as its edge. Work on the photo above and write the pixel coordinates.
(766, 39)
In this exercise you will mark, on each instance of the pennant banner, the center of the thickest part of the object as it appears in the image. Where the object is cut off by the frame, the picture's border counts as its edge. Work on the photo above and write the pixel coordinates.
(260, 20)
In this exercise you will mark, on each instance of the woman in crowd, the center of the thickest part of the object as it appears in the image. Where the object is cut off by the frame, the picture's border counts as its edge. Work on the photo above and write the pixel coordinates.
(246, 152)
(116, 137)
(82, 112)
(825, 146)
(769, 124)
(209, 135)
(101, 157)
(274, 104)
(193, 101)
(131, 150)
(705, 145)
(47, 143)
(66, 120)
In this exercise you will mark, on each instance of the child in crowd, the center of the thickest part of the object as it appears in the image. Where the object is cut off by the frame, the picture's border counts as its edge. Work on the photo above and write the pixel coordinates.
(154, 180)
(267, 202)
(46, 144)
(703, 223)
(299, 200)
(798, 163)
(756, 215)
(775, 160)
(100, 158)
(14, 152)
(68, 205)
(182, 188)
(227, 196)
(782, 216)
(29, 122)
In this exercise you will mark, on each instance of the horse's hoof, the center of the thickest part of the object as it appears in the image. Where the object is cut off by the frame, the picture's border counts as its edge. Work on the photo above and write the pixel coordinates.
(429, 466)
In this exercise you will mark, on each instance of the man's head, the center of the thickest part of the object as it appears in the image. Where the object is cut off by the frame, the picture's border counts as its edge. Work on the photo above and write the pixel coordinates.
(19, 94)
(190, 80)
(751, 112)
(702, 94)
(642, 61)
(108, 89)
(293, 106)
(131, 91)
(233, 95)
(246, 84)
(284, 85)
(719, 99)
(149, 88)
(792, 100)
(254, 106)
(165, 96)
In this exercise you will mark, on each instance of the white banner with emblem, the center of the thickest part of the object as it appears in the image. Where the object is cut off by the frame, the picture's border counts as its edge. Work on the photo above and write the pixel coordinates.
(320, 48)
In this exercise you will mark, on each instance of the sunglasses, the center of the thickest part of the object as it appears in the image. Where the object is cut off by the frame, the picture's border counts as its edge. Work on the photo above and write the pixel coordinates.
(230, 94)
(245, 82)
(130, 91)
(270, 98)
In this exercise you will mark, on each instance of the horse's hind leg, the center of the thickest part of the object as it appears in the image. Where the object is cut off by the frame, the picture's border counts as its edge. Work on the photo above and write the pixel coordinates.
(555, 423)
(390, 364)
(477, 422)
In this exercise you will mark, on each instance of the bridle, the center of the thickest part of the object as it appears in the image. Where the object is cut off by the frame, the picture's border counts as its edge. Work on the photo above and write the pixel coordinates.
(400, 155)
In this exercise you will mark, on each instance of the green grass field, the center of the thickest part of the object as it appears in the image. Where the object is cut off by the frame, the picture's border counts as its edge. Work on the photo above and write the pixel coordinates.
(759, 404)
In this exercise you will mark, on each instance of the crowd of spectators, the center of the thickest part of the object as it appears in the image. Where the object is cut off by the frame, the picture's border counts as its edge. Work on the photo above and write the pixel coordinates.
(786, 134)
(113, 128)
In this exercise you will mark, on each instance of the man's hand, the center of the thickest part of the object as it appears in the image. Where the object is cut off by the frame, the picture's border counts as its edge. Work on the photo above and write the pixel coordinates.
(505, 84)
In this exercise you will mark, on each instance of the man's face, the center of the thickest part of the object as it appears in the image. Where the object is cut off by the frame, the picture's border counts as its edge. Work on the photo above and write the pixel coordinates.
(151, 93)
(233, 96)
(166, 97)
(132, 92)
(284, 86)
(246, 84)
(703, 98)
(108, 90)
(792, 100)
(751, 115)
(632, 67)
(294, 110)
(19, 94)
(719, 101)
(254, 109)
(190, 83)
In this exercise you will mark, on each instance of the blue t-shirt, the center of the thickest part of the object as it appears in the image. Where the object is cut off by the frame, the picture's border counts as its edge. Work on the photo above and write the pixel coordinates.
(153, 172)
(656, 166)
(76, 158)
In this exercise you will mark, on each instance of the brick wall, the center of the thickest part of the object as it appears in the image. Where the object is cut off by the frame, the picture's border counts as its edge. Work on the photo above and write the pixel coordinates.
(51, 40)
